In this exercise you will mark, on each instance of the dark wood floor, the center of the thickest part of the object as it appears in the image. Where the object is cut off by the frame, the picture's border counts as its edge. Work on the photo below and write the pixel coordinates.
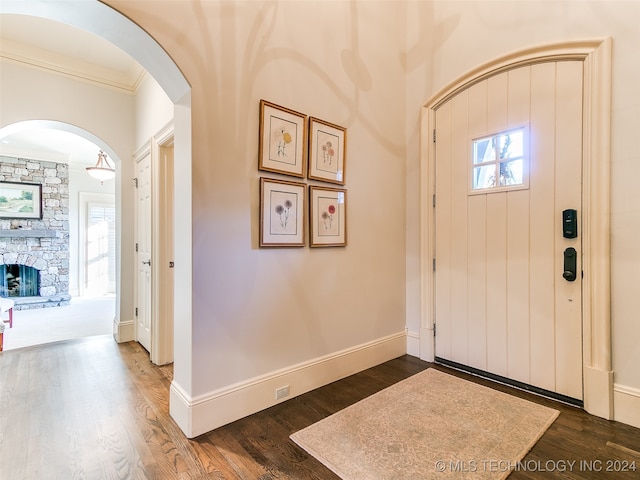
(92, 409)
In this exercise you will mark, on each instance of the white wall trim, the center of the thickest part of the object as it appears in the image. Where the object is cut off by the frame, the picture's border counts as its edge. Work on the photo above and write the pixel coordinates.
(106, 22)
(413, 343)
(596, 302)
(124, 331)
(162, 299)
(165, 135)
(161, 351)
(427, 233)
(125, 82)
(596, 230)
(634, 392)
(143, 151)
(571, 50)
(598, 391)
(203, 413)
(627, 404)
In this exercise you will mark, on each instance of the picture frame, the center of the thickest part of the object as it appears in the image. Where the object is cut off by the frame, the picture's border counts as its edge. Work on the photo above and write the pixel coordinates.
(327, 217)
(282, 213)
(20, 200)
(327, 151)
(282, 146)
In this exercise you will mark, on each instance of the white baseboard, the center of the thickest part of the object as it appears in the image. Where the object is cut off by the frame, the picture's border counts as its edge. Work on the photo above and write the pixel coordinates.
(207, 412)
(124, 331)
(626, 402)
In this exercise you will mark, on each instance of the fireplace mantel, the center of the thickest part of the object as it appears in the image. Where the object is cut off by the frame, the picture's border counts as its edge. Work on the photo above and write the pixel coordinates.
(24, 233)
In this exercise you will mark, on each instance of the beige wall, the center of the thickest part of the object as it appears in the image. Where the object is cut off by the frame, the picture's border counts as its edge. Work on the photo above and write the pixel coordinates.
(464, 35)
(255, 310)
(370, 66)
(153, 111)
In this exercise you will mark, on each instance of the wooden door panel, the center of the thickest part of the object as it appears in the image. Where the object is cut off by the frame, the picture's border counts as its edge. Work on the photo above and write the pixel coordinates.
(476, 281)
(543, 224)
(459, 239)
(517, 93)
(497, 103)
(496, 283)
(518, 285)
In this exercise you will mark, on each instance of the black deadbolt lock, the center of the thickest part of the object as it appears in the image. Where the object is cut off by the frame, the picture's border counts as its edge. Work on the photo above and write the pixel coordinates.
(570, 262)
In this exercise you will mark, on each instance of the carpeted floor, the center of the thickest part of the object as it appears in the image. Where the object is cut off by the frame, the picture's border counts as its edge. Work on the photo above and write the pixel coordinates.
(430, 426)
(84, 317)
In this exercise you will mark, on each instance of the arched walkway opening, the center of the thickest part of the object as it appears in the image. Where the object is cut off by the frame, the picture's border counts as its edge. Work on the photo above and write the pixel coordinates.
(99, 19)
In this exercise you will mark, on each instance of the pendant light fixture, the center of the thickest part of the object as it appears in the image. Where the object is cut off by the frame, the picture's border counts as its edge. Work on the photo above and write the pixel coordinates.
(103, 170)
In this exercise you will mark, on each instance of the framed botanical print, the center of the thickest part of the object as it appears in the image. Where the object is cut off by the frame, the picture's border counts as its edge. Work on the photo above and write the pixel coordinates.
(282, 213)
(328, 216)
(282, 146)
(327, 151)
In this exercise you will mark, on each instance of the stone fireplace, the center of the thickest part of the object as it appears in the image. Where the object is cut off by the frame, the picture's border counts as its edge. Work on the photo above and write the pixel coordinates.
(34, 253)
(19, 281)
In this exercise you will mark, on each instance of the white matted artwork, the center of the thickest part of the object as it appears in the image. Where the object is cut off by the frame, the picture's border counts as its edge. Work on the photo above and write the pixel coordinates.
(282, 213)
(282, 144)
(328, 217)
(20, 200)
(327, 151)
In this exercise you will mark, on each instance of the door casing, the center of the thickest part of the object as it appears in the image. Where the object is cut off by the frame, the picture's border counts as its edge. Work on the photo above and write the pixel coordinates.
(596, 299)
(161, 149)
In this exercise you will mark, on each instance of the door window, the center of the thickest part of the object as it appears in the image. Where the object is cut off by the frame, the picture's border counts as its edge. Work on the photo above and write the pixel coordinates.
(499, 161)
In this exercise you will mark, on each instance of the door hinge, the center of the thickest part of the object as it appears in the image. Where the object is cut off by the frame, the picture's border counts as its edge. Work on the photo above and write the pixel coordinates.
(135, 182)
(434, 264)
(434, 200)
(136, 247)
(434, 329)
(434, 135)
(136, 311)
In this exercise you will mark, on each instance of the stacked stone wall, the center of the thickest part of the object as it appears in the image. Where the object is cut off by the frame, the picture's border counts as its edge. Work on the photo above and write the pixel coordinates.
(40, 243)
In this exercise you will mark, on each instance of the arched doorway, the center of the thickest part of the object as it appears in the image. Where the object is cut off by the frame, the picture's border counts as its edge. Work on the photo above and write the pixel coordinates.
(75, 203)
(99, 19)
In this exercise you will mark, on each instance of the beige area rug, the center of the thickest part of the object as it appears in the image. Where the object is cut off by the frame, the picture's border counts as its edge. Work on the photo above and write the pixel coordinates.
(429, 426)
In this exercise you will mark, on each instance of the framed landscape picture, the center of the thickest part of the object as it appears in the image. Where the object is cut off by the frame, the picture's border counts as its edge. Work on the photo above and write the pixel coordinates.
(20, 200)
(327, 151)
(282, 213)
(282, 146)
(328, 217)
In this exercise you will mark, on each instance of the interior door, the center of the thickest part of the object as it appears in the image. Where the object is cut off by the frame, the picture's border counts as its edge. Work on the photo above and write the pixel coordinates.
(502, 304)
(143, 248)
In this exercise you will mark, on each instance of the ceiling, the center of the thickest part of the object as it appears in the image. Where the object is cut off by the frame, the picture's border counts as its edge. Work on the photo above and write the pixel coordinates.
(65, 50)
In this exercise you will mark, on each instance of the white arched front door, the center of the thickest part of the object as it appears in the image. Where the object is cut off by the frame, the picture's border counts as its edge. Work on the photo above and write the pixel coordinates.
(508, 163)
(594, 243)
